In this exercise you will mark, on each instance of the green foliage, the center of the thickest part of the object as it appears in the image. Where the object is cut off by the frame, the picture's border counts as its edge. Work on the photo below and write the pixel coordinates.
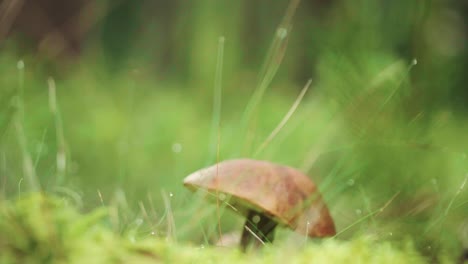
(41, 229)
(385, 139)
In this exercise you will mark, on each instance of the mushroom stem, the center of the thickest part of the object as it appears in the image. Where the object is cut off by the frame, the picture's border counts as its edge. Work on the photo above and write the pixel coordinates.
(258, 229)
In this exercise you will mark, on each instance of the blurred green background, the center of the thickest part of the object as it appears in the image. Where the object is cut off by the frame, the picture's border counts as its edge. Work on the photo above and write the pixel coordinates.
(135, 109)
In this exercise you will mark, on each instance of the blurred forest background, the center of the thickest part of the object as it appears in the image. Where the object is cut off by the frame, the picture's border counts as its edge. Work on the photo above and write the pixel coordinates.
(111, 102)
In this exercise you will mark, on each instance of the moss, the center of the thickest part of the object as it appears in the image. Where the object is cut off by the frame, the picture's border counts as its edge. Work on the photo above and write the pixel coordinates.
(37, 228)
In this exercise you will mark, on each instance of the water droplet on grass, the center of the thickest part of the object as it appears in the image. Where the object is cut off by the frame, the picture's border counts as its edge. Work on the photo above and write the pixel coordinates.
(282, 33)
(350, 182)
(222, 196)
(256, 219)
(20, 64)
(176, 147)
(138, 221)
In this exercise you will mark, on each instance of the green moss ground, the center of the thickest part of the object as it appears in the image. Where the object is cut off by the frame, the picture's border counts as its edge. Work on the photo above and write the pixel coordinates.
(40, 229)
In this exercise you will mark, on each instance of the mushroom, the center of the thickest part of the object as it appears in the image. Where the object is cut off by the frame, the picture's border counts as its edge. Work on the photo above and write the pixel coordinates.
(268, 195)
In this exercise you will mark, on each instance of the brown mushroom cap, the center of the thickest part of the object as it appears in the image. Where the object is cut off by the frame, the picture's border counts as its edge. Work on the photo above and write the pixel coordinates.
(284, 194)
